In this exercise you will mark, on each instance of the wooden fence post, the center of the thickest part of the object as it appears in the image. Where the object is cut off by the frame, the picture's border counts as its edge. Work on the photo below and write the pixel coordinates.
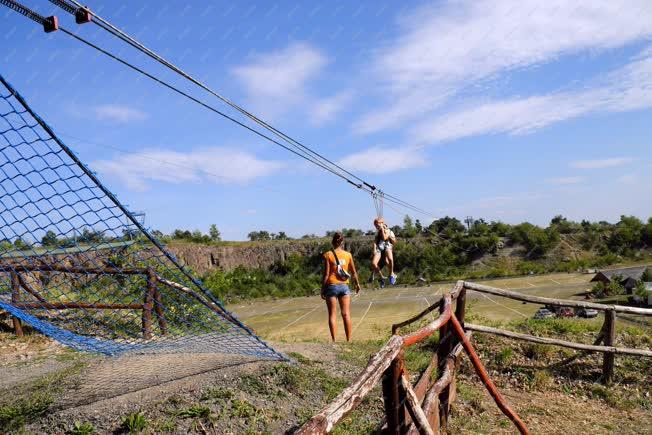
(446, 339)
(393, 399)
(148, 304)
(15, 297)
(158, 302)
(609, 340)
(460, 313)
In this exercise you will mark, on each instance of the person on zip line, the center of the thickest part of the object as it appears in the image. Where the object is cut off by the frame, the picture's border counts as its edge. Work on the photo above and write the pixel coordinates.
(338, 269)
(383, 243)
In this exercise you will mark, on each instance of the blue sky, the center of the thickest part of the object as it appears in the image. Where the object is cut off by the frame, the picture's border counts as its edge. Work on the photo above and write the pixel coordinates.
(511, 110)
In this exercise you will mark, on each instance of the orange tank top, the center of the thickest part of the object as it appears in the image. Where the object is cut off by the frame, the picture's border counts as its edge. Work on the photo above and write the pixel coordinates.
(346, 261)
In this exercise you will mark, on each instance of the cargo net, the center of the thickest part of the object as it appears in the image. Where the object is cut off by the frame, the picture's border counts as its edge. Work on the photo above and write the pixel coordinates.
(78, 267)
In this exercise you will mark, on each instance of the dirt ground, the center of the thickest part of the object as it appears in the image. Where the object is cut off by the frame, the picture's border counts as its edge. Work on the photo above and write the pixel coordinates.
(46, 388)
(374, 310)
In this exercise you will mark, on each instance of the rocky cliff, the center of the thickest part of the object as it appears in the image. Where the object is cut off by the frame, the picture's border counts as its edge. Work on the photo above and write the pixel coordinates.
(205, 258)
(226, 257)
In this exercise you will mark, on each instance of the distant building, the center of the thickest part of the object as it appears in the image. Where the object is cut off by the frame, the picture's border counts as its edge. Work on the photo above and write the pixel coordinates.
(630, 276)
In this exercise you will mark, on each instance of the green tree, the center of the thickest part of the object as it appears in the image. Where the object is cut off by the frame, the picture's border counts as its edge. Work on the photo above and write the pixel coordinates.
(19, 243)
(50, 239)
(647, 275)
(408, 230)
(259, 235)
(214, 233)
(537, 241)
(627, 235)
(280, 236)
(419, 226)
(647, 232)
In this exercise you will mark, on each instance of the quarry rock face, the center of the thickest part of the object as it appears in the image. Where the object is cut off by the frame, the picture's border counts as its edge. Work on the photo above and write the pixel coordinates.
(206, 258)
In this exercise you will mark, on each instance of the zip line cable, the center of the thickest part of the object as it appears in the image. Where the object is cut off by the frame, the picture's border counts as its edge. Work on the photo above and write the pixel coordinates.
(107, 26)
(73, 6)
(299, 150)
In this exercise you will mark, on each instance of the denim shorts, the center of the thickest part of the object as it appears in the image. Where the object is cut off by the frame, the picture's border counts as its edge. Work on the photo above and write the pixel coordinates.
(337, 290)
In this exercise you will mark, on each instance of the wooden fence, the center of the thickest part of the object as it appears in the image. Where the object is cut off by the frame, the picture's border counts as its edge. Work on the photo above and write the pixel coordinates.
(151, 305)
(424, 408)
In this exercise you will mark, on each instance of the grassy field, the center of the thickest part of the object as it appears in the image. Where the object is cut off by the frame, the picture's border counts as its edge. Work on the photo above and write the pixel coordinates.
(374, 310)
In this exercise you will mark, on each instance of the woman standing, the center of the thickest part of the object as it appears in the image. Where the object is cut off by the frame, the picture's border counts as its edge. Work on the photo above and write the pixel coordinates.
(338, 268)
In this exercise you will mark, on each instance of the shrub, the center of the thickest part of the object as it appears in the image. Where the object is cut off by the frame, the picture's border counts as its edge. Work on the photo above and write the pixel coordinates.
(82, 428)
(134, 423)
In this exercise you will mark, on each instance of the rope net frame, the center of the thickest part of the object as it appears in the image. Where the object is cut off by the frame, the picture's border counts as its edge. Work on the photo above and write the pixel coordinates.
(77, 266)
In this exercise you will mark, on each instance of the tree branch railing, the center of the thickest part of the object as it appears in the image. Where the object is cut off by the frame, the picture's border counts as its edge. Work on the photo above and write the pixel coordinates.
(399, 396)
(424, 407)
(152, 304)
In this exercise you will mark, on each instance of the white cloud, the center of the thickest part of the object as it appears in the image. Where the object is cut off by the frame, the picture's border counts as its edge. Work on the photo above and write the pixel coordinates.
(445, 47)
(276, 81)
(326, 109)
(118, 113)
(378, 160)
(219, 165)
(601, 163)
(628, 88)
(565, 181)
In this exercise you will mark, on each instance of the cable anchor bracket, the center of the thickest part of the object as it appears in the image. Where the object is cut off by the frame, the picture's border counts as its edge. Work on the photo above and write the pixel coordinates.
(51, 24)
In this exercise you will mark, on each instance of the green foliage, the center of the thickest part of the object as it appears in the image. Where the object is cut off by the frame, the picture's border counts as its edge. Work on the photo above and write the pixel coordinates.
(647, 275)
(134, 423)
(536, 240)
(24, 410)
(214, 233)
(296, 276)
(80, 428)
(627, 235)
(504, 357)
(640, 289)
(444, 250)
(194, 412)
(266, 235)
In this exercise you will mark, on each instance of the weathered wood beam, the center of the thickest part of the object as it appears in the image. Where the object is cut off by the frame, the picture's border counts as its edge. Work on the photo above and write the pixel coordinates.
(555, 302)
(28, 288)
(456, 290)
(75, 305)
(419, 418)
(152, 280)
(75, 269)
(347, 400)
(15, 297)
(433, 326)
(486, 380)
(561, 343)
(608, 359)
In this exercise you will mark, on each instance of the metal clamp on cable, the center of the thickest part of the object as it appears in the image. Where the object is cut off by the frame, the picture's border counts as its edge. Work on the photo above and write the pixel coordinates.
(83, 15)
(51, 24)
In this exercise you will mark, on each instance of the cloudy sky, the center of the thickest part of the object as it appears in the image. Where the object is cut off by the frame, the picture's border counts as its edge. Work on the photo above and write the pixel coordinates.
(501, 109)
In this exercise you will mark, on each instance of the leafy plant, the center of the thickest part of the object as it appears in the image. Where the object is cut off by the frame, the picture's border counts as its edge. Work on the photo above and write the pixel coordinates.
(134, 423)
(80, 428)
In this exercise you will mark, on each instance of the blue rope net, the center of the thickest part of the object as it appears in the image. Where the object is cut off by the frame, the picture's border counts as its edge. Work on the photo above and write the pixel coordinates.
(77, 266)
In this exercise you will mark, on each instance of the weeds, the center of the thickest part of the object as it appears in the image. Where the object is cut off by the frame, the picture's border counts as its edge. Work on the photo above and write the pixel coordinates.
(80, 428)
(24, 410)
(134, 423)
(504, 357)
(194, 412)
(217, 395)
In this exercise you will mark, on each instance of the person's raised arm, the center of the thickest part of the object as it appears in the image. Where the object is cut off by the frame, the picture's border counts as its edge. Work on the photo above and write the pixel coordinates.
(384, 229)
